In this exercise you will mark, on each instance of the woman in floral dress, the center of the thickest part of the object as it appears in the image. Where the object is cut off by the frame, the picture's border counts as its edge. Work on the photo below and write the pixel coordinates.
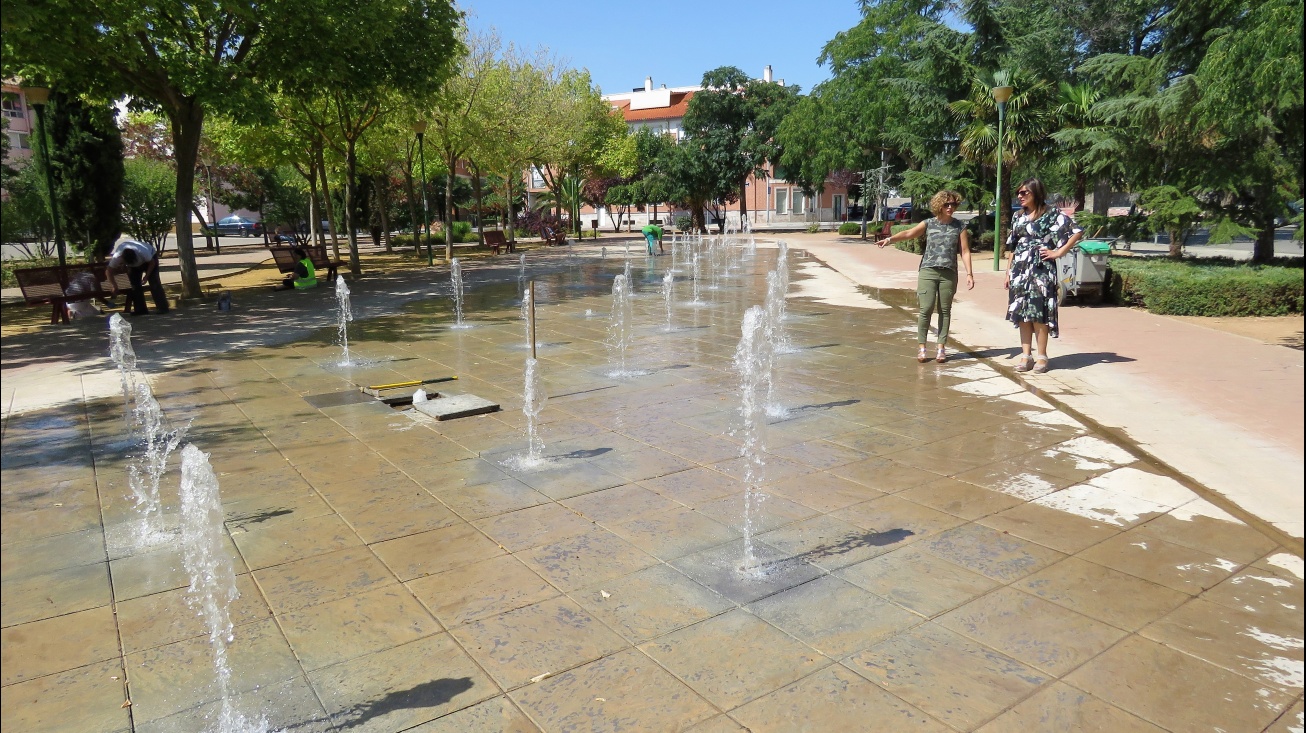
(1040, 234)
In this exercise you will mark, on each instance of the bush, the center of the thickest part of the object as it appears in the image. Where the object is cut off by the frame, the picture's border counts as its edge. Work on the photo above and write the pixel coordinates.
(149, 200)
(850, 227)
(915, 246)
(814, 228)
(1208, 287)
(985, 242)
(683, 223)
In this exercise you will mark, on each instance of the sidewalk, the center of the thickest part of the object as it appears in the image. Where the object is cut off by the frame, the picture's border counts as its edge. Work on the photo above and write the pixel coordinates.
(1221, 409)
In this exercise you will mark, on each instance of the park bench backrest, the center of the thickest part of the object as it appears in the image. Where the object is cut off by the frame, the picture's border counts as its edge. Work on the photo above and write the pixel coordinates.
(45, 284)
(284, 256)
(494, 237)
(318, 254)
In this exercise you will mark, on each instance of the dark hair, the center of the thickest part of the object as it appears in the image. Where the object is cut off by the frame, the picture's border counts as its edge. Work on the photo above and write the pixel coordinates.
(1037, 193)
(299, 253)
(129, 257)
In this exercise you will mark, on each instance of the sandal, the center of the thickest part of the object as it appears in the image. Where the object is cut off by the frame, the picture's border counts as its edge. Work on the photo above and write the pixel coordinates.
(1026, 364)
(1040, 366)
(920, 355)
(942, 357)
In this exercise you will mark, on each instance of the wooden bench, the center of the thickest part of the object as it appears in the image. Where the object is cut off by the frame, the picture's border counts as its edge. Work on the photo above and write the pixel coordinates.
(555, 237)
(285, 259)
(495, 240)
(61, 285)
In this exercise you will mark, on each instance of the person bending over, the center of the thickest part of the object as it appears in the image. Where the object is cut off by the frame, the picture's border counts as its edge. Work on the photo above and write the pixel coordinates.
(141, 263)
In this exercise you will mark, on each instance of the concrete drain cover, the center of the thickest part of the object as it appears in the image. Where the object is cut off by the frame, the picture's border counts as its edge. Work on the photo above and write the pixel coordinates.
(337, 399)
(448, 407)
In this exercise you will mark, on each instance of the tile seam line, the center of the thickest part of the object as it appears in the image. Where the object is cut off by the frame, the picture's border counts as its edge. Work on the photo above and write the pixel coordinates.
(1296, 545)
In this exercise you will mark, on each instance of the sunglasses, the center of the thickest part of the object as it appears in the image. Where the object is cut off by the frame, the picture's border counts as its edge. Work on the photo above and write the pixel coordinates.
(950, 205)
(1022, 192)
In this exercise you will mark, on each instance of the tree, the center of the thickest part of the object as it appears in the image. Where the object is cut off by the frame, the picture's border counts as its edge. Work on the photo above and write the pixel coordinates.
(147, 200)
(577, 125)
(362, 66)
(185, 59)
(86, 153)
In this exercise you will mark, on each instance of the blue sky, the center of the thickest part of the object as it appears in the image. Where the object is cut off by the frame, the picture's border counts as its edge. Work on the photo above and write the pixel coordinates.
(675, 41)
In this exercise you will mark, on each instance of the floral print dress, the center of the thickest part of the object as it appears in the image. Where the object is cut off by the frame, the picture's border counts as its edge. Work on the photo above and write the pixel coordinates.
(1033, 293)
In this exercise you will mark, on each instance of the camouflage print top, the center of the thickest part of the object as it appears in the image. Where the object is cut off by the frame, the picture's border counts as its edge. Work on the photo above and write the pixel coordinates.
(942, 243)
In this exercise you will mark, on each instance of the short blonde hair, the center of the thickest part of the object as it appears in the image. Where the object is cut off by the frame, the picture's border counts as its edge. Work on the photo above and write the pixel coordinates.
(941, 199)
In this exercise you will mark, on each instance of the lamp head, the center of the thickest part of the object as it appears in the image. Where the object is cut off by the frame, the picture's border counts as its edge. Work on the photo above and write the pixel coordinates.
(1002, 94)
(37, 96)
(419, 127)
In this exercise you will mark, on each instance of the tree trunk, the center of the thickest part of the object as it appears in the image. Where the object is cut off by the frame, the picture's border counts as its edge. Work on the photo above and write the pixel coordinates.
(476, 194)
(1081, 189)
(412, 207)
(1101, 196)
(330, 207)
(1263, 249)
(507, 188)
(743, 202)
(1177, 238)
(351, 204)
(187, 125)
(698, 219)
(382, 204)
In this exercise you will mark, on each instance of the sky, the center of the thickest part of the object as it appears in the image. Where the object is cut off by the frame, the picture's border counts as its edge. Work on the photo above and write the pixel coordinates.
(674, 41)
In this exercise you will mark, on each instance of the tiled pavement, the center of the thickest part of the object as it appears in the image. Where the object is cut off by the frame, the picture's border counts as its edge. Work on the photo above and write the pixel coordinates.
(949, 552)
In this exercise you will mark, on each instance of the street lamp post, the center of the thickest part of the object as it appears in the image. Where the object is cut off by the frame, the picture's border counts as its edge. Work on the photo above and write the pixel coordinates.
(38, 97)
(419, 127)
(1000, 95)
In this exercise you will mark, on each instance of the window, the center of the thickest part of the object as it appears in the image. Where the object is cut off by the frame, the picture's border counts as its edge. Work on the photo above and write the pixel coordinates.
(12, 106)
(537, 178)
(782, 201)
(800, 202)
(19, 141)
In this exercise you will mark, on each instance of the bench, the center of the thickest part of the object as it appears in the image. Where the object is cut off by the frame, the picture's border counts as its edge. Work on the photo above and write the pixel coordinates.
(556, 237)
(61, 285)
(495, 240)
(285, 259)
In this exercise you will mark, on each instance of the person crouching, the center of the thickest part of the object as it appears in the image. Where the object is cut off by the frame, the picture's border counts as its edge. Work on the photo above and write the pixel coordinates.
(141, 262)
(304, 276)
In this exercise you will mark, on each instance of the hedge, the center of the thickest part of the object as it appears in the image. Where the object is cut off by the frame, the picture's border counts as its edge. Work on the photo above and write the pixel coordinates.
(850, 227)
(915, 246)
(1208, 287)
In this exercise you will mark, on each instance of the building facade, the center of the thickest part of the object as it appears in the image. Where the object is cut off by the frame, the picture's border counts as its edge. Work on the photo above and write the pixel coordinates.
(19, 123)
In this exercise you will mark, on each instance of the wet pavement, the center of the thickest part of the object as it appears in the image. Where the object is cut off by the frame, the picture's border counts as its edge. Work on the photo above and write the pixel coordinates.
(946, 551)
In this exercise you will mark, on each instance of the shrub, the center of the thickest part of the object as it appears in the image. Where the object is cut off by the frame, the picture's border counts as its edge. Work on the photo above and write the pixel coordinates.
(915, 246)
(683, 223)
(850, 227)
(984, 242)
(813, 228)
(1208, 287)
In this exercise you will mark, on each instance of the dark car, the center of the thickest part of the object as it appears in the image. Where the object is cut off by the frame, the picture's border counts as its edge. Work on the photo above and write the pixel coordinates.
(239, 226)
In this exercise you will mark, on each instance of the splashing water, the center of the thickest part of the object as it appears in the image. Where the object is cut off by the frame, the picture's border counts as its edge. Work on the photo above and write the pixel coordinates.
(750, 364)
(775, 338)
(456, 279)
(697, 270)
(603, 253)
(619, 326)
(123, 355)
(345, 315)
(212, 578)
(668, 295)
(526, 314)
(782, 268)
(533, 399)
(630, 284)
(145, 473)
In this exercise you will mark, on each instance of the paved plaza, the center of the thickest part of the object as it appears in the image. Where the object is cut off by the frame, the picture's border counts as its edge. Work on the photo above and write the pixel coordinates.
(945, 550)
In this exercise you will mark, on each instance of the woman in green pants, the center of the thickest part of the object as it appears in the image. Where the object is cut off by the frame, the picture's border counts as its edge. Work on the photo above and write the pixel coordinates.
(936, 283)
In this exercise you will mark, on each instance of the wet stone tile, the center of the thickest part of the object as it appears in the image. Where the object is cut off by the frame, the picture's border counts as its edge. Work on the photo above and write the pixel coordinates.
(626, 690)
(833, 616)
(290, 541)
(650, 603)
(952, 678)
(80, 700)
(829, 543)
(1177, 691)
(675, 533)
(1050, 527)
(1165, 563)
(543, 638)
(722, 569)
(322, 578)
(1101, 593)
(534, 526)
(496, 715)
(1264, 647)
(918, 581)
(1040, 634)
(833, 699)
(620, 504)
(360, 624)
(892, 514)
(164, 618)
(436, 551)
(990, 552)
(733, 658)
(481, 590)
(586, 559)
(54, 593)
(58, 644)
(1060, 708)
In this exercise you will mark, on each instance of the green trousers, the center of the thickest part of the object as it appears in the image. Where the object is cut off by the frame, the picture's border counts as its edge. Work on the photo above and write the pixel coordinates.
(935, 286)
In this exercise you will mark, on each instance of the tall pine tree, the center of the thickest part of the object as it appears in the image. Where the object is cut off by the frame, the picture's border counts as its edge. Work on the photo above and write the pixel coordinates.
(86, 153)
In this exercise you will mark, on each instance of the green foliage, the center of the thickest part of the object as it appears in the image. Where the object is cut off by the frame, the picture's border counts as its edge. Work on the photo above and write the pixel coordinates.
(849, 228)
(1171, 211)
(915, 246)
(147, 200)
(683, 223)
(1208, 287)
(86, 152)
(814, 228)
(26, 216)
(983, 242)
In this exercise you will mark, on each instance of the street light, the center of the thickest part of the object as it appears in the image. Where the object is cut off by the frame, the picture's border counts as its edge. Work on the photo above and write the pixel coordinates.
(419, 127)
(38, 97)
(1000, 95)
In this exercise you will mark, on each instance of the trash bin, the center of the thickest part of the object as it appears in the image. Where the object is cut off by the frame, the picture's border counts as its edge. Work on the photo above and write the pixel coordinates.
(1085, 274)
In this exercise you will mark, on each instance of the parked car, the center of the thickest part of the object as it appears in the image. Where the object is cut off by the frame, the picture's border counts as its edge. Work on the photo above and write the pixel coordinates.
(898, 213)
(239, 226)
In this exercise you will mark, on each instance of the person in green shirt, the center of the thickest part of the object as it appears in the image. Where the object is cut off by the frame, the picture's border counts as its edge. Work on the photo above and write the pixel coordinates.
(653, 233)
(304, 276)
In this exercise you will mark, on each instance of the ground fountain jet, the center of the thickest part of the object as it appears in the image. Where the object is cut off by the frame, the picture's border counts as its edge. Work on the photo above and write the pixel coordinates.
(668, 295)
(145, 473)
(619, 326)
(751, 363)
(212, 580)
(456, 280)
(123, 356)
(776, 339)
(345, 314)
(696, 270)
